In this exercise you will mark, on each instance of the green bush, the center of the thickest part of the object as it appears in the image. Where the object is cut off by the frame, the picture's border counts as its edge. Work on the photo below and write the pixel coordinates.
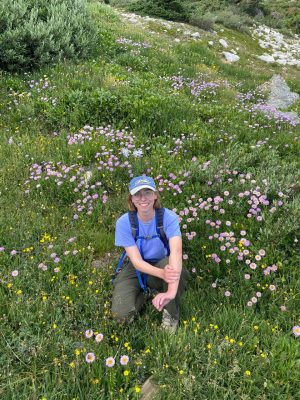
(231, 18)
(203, 23)
(168, 9)
(250, 7)
(204, 14)
(34, 33)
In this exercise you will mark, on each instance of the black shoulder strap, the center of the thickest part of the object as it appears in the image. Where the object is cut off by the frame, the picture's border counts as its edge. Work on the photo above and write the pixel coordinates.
(159, 215)
(134, 223)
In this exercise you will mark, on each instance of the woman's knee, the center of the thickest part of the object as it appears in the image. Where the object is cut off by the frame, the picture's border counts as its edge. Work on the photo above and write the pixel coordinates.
(123, 318)
(124, 308)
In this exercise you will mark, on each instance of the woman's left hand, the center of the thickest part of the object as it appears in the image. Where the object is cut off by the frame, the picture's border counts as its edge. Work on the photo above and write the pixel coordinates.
(161, 300)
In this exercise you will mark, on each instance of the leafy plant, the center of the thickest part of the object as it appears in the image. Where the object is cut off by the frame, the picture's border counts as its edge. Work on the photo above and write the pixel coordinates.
(169, 9)
(36, 33)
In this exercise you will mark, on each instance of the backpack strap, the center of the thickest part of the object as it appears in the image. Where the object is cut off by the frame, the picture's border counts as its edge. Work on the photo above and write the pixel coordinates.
(134, 224)
(159, 217)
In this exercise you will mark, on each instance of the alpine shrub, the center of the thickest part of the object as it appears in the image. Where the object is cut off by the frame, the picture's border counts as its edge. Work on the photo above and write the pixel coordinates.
(168, 9)
(34, 33)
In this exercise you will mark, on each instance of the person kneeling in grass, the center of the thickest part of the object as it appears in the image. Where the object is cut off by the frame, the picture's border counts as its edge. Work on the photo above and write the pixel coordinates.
(152, 241)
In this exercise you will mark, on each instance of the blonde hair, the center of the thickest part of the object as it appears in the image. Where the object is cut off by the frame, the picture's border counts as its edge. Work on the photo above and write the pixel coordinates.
(132, 207)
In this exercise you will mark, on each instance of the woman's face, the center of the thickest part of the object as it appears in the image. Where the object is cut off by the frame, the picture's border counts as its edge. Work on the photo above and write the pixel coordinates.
(144, 200)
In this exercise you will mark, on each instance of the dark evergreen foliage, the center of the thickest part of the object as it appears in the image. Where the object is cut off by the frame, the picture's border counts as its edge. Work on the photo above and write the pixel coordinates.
(34, 33)
(168, 9)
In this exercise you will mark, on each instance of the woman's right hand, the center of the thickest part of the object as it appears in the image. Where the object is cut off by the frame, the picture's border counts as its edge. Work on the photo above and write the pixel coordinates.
(171, 275)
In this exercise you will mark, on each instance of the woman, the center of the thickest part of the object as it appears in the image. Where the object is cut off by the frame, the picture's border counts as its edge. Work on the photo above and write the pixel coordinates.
(152, 262)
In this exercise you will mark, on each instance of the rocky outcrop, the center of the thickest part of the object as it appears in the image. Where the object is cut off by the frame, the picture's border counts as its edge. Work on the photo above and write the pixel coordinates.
(279, 97)
(282, 50)
(279, 93)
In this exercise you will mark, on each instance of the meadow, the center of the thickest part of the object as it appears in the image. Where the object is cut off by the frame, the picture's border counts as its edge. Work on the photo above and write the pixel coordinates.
(73, 135)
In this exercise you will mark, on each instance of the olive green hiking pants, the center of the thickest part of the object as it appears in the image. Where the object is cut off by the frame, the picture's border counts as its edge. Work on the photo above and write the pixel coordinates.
(128, 297)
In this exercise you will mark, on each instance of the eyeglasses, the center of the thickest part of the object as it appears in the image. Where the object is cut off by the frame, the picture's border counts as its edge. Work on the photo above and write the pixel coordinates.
(143, 193)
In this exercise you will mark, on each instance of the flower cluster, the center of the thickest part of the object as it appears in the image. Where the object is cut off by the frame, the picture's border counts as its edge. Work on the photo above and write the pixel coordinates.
(170, 185)
(129, 44)
(39, 89)
(180, 142)
(254, 102)
(199, 87)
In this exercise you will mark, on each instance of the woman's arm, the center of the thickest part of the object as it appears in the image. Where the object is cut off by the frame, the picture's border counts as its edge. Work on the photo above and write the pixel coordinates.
(175, 264)
(175, 261)
(168, 274)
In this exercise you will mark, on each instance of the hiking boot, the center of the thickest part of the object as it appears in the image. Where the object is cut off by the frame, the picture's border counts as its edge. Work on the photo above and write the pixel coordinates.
(168, 322)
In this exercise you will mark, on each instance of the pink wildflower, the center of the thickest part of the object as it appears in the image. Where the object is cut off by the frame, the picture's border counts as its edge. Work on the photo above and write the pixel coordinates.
(90, 357)
(110, 362)
(124, 360)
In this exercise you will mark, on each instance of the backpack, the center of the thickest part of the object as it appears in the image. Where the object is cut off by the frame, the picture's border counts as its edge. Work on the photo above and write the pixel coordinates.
(160, 233)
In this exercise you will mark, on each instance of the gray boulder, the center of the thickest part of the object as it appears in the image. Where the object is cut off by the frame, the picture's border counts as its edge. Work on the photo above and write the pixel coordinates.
(224, 43)
(196, 35)
(267, 58)
(230, 57)
(280, 95)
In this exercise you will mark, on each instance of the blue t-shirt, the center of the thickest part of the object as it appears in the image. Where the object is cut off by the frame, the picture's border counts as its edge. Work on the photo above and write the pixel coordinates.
(153, 249)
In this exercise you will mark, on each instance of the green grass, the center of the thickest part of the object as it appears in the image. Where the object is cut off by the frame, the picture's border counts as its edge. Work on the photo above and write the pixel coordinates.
(223, 348)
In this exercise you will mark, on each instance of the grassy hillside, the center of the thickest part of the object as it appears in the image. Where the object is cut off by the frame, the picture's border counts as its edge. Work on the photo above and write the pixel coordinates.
(236, 14)
(72, 136)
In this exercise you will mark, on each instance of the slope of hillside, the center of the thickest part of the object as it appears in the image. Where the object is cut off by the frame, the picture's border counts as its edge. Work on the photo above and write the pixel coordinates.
(160, 99)
(237, 14)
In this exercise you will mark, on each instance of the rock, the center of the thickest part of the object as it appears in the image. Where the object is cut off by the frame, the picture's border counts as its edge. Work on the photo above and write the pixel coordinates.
(281, 96)
(281, 62)
(287, 46)
(149, 390)
(263, 44)
(177, 40)
(196, 35)
(293, 117)
(210, 42)
(224, 43)
(230, 57)
(168, 25)
(267, 58)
